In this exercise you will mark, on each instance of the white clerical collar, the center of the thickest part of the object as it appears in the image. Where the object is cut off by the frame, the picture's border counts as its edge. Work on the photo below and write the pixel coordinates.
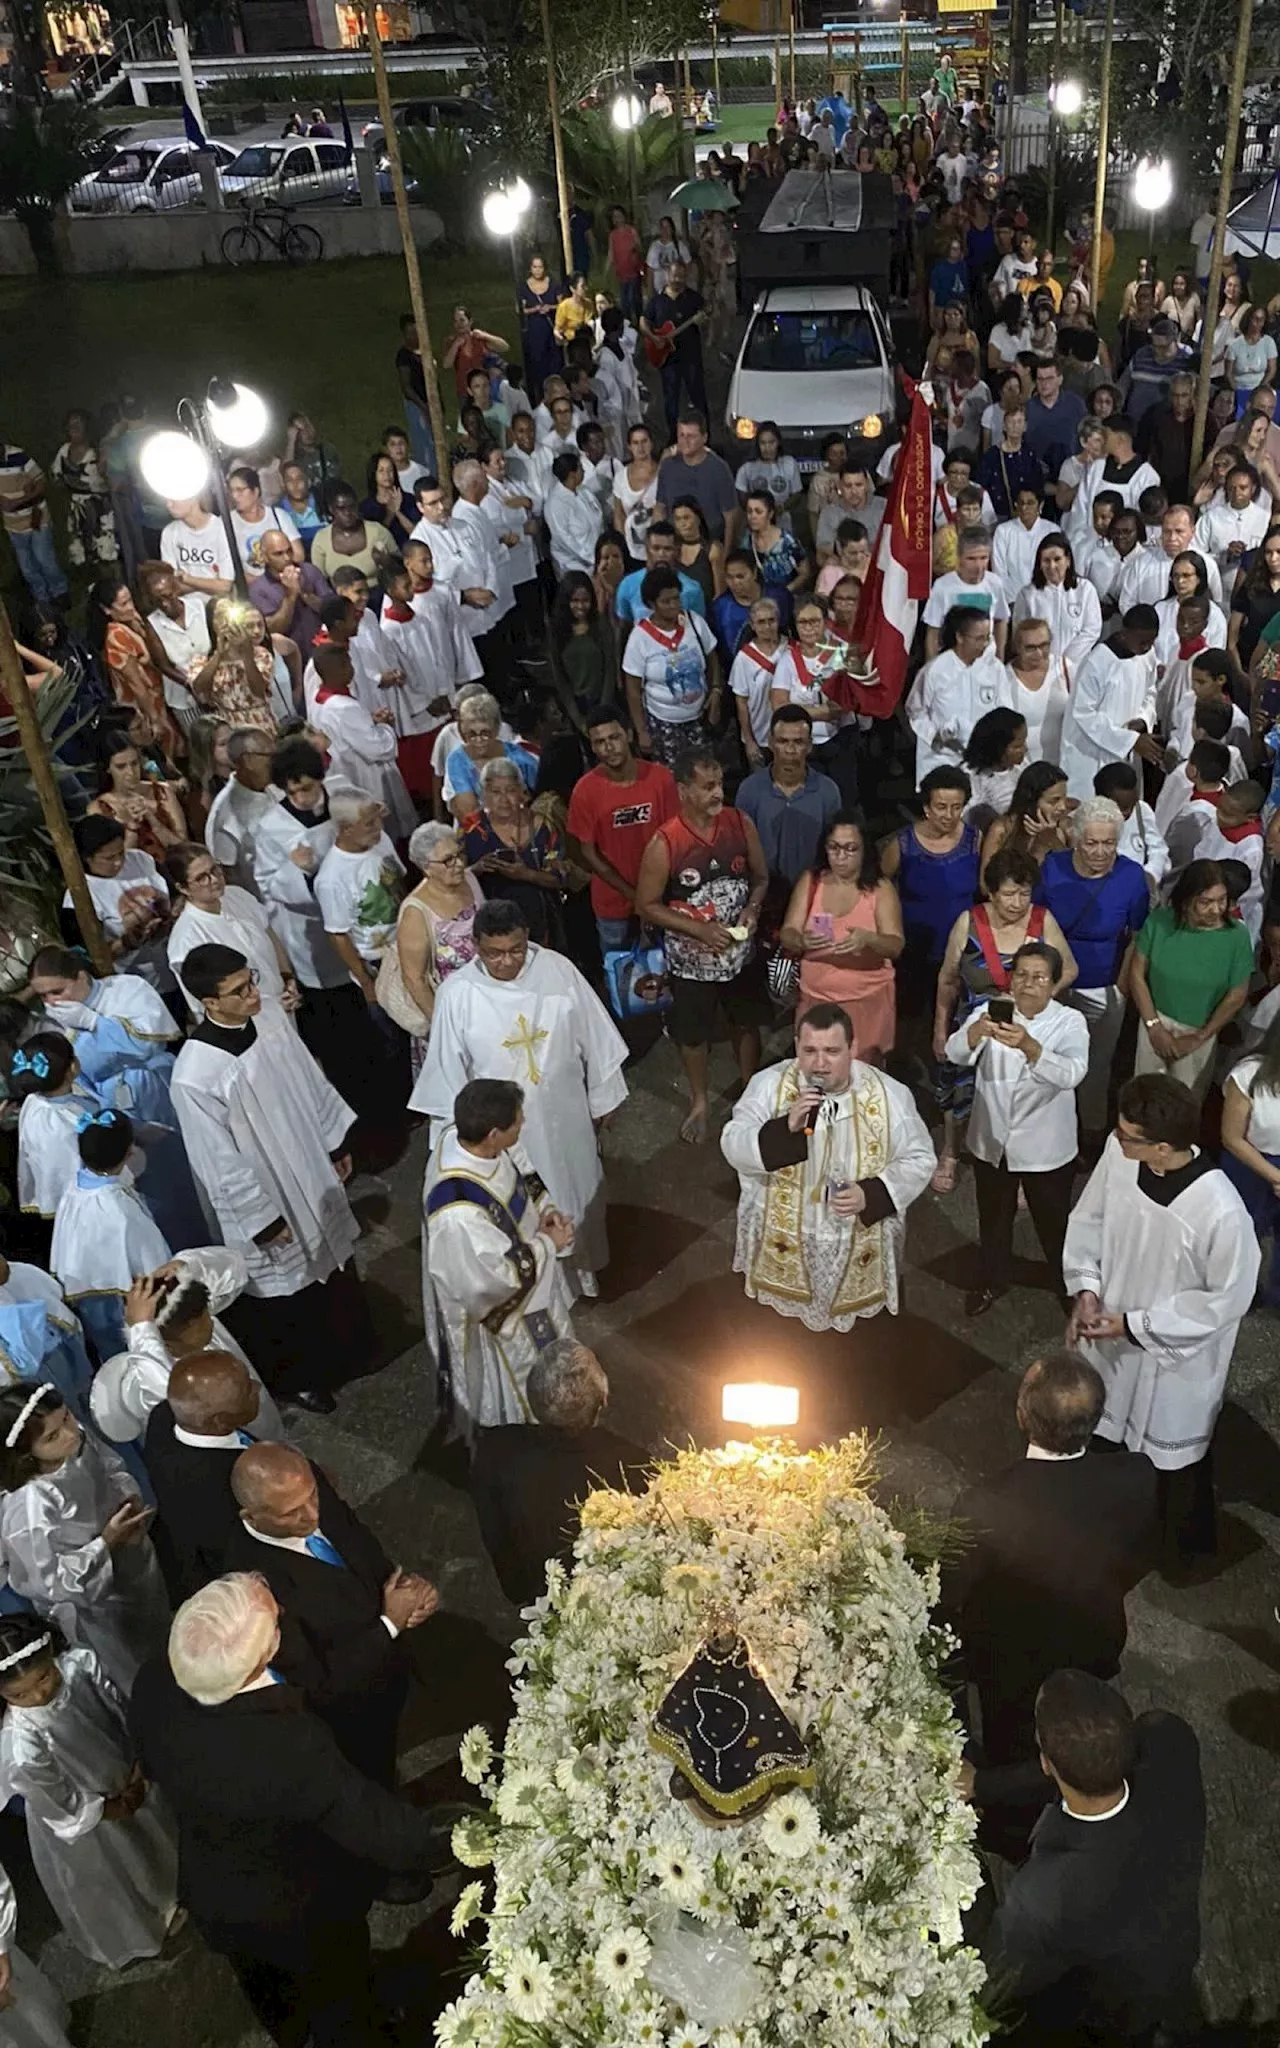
(261, 1682)
(1110, 1813)
(1054, 1457)
(230, 1442)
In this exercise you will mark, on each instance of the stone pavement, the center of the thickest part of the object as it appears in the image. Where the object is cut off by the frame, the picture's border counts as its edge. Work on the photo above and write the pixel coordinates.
(671, 1324)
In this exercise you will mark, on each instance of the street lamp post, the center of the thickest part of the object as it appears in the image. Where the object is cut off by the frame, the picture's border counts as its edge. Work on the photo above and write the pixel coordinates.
(626, 113)
(184, 465)
(1104, 143)
(1065, 99)
(502, 212)
(1152, 191)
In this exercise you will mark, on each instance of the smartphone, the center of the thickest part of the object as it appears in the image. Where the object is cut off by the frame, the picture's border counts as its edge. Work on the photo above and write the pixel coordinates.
(822, 925)
(1000, 1009)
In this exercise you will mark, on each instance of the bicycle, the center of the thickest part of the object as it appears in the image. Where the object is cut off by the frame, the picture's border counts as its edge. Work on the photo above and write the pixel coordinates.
(270, 222)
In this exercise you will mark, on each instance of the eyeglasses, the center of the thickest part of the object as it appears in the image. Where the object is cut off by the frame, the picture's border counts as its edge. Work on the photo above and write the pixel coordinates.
(243, 987)
(448, 860)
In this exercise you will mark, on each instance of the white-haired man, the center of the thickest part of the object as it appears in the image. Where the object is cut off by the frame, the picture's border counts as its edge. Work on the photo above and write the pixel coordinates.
(830, 1154)
(358, 887)
(280, 1839)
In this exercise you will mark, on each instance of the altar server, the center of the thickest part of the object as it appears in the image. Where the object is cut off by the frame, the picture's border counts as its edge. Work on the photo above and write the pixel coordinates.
(103, 1842)
(267, 1138)
(43, 1077)
(1162, 1261)
(493, 1284)
(73, 1533)
(1113, 704)
(522, 1013)
(362, 744)
(830, 1154)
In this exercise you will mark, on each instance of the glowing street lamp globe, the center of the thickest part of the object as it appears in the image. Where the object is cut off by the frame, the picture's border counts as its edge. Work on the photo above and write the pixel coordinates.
(1152, 184)
(627, 111)
(504, 209)
(237, 415)
(1068, 98)
(173, 465)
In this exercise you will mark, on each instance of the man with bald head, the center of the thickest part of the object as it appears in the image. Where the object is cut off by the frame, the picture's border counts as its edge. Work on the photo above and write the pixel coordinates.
(194, 1436)
(1057, 1540)
(346, 1607)
(289, 594)
(1144, 578)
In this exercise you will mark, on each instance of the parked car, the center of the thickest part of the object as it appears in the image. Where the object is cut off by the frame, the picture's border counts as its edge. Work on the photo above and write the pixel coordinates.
(452, 111)
(351, 197)
(145, 176)
(293, 171)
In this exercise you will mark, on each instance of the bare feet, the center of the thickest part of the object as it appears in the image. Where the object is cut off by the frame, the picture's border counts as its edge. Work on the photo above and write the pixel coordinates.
(944, 1175)
(693, 1131)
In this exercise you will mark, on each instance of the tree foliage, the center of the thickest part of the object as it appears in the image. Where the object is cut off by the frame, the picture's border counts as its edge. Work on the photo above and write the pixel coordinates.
(596, 154)
(44, 151)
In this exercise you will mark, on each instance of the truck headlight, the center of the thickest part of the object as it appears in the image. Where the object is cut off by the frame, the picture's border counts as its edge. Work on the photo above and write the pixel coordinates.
(869, 428)
(744, 429)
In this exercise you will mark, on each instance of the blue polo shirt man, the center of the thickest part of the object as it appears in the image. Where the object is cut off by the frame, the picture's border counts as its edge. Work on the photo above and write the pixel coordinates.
(789, 803)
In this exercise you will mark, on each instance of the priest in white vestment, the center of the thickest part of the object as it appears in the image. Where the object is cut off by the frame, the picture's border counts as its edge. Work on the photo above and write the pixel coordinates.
(267, 1139)
(830, 1154)
(494, 1288)
(1162, 1261)
(522, 1013)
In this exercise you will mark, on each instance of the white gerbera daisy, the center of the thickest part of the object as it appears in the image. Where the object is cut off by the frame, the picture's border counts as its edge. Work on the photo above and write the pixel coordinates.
(518, 1797)
(470, 1901)
(681, 1876)
(621, 1959)
(475, 1754)
(529, 1986)
(791, 1826)
(576, 1774)
(458, 2026)
(472, 1841)
(686, 2035)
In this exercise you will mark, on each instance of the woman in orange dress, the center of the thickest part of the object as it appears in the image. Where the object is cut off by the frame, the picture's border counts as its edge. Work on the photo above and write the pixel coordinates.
(133, 659)
(149, 808)
(844, 925)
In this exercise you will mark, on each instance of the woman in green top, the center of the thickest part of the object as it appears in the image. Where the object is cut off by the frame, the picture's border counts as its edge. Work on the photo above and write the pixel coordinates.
(1190, 975)
(583, 648)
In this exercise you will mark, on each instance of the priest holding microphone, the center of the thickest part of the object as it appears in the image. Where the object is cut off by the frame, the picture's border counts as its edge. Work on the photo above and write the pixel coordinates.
(830, 1154)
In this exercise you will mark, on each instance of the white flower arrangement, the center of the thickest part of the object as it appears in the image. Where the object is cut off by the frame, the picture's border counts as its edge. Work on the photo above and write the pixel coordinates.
(829, 1920)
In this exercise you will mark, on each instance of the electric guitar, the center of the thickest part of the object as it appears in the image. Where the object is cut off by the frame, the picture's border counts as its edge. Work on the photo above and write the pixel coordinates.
(659, 342)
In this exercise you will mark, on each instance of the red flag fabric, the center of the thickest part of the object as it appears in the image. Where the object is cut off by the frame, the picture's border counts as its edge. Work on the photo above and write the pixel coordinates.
(900, 574)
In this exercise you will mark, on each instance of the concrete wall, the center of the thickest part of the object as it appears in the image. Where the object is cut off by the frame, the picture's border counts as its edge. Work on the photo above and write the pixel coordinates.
(110, 243)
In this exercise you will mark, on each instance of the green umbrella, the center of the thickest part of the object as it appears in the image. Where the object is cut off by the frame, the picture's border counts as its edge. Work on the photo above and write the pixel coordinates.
(704, 195)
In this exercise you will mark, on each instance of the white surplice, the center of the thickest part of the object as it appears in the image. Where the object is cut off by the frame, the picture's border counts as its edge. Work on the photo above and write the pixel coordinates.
(259, 1126)
(362, 750)
(829, 1245)
(548, 1031)
(51, 1539)
(437, 655)
(1074, 619)
(1109, 693)
(1182, 1274)
(104, 1238)
(36, 2014)
(130, 1385)
(947, 699)
(289, 892)
(49, 1149)
(473, 1270)
(112, 1883)
(231, 827)
(242, 924)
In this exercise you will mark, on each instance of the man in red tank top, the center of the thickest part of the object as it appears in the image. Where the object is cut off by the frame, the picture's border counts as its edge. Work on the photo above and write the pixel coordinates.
(702, 882)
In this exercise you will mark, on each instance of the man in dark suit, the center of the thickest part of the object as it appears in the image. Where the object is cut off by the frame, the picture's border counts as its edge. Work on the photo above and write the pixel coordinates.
(1057, 1540)
(280, 1840)
(346, 1606)
(528, 1483)
(1099, 1931)
(192, 1442)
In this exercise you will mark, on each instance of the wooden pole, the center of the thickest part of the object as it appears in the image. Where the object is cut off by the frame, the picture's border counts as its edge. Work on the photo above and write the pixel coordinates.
(13, 678)
(557, 141)
(688, 145)
(791, 51)
(857, 75)
(715, 64)
(417, 298)
(1100, 183)
(777, 70)
(904, 83)
(1055, 73)
(1225, 178)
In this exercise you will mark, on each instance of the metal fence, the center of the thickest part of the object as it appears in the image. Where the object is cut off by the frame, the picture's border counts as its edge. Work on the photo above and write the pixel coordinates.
(161, 174)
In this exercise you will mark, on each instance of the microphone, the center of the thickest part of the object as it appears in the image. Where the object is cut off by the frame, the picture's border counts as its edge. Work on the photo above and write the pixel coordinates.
(810, 1124)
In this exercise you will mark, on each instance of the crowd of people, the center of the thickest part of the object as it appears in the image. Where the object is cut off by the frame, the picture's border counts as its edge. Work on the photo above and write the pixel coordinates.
(433, 804)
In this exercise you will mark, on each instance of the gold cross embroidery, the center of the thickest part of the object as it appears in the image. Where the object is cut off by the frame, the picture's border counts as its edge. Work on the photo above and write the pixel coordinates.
(526, 1040)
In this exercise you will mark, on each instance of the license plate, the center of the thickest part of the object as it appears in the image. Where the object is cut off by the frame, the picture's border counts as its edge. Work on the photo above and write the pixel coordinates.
(807, 464)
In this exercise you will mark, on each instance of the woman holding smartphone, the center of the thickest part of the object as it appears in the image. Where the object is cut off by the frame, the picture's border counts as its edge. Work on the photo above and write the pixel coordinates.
(844, 925)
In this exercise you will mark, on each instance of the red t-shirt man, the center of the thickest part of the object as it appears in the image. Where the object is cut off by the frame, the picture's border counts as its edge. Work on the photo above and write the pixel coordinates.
(626, 256)
(618, 819)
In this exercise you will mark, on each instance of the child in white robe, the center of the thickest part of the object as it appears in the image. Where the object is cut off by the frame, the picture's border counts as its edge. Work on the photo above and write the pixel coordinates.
(36, 2014)
(362, 744)
(103, 1841)
(73, 1533)
(104, 1235)
(43, 1077)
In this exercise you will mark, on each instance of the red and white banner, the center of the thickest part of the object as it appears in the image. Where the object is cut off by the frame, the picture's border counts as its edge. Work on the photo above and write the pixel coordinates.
(900, 575)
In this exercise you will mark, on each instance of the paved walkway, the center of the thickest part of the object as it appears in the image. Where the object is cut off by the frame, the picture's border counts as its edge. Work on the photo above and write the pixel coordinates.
(671, 1324)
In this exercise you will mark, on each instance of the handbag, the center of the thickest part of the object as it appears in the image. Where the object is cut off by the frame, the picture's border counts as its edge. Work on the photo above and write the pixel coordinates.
(393, 996)
(635, 978)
